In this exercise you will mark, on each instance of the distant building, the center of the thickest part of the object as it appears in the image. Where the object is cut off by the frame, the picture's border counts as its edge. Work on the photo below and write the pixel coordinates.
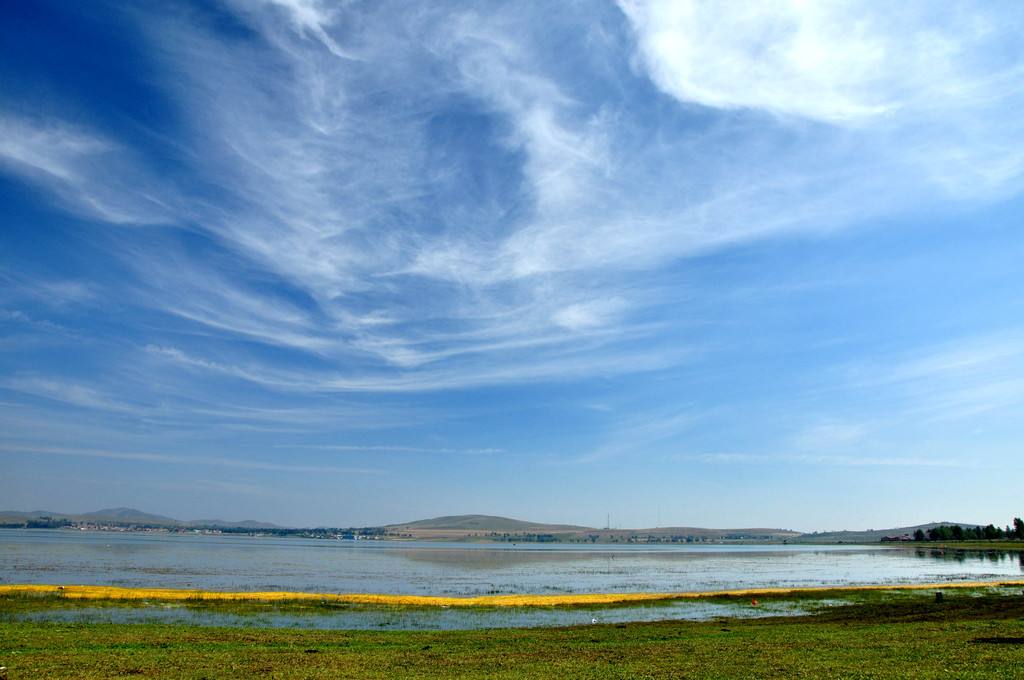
(897, 539)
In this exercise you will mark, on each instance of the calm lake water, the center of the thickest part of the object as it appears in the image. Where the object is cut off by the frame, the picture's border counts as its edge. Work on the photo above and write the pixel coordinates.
(293, 564)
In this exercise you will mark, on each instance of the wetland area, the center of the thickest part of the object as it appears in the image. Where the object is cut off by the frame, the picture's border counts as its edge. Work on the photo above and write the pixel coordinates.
(418, 568)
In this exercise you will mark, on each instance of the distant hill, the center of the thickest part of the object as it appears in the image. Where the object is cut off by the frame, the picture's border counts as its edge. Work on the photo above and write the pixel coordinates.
(871, 535)
(30, 514)
(746, 533)
(482, 527)
(20, 517)
(485, 523)
(127, 516)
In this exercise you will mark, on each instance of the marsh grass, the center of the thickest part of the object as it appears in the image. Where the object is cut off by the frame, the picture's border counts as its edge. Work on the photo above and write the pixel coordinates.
(198, 597)
(37, 605)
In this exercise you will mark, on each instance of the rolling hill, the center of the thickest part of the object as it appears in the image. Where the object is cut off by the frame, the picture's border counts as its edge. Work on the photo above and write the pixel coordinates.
(871, 535)
(486, 523)
(455, 527)
(126, 515)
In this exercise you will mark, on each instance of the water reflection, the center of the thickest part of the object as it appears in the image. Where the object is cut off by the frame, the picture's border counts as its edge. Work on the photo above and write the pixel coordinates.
(963, 556)
(456, 555)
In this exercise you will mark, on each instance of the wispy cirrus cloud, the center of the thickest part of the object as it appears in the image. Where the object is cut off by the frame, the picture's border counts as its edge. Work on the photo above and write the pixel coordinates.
(642, 435)
(90, 173)
(70, 393)
(396, 448)
(953, 380)
(575, 363)
(310, 17)
(171, 408)
(337, 173)
(175, 459)
(824, 459)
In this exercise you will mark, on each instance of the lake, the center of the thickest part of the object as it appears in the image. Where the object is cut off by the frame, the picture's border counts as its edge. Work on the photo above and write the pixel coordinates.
(224, 562)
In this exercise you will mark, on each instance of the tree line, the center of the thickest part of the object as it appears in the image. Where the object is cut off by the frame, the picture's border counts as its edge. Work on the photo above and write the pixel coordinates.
(956, 532)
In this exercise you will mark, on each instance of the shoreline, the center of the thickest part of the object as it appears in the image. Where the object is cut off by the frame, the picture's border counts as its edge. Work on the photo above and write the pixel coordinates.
(85, 592)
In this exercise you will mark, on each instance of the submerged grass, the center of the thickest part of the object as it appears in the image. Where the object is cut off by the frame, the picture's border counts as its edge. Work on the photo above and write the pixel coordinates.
(967, 635)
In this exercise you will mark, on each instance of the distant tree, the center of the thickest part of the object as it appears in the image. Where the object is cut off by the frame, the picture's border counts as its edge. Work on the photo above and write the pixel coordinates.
(958, 532)
(991, 532)
(919, 535)
(940, 533)
(1018, 527)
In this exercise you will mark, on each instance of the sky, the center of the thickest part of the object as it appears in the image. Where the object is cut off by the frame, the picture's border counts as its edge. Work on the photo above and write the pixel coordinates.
(668, 263)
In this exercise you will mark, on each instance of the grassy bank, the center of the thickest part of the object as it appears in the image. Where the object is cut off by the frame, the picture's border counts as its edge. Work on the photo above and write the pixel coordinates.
(963, 636)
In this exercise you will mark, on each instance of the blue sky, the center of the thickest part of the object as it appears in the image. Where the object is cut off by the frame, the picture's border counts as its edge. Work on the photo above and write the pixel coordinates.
(681, 263)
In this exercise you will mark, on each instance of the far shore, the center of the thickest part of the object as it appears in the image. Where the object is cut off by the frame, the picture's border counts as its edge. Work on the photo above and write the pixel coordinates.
(527, 539)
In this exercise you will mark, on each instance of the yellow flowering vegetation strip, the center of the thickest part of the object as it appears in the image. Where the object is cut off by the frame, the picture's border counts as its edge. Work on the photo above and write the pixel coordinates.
(170, 594)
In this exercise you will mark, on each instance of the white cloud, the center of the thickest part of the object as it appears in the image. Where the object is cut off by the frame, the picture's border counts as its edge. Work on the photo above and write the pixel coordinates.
(936, 90)
(315, 17)
(594, 313)
(836, 61)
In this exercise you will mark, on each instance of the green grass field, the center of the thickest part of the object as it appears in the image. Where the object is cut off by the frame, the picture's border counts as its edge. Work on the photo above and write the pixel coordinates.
(967, 635)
